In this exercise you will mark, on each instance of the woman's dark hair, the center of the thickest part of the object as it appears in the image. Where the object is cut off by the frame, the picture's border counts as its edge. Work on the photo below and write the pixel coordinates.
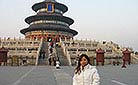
(77, 69)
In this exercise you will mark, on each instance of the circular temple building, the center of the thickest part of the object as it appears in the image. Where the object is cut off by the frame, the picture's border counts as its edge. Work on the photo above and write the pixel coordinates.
(49, 22)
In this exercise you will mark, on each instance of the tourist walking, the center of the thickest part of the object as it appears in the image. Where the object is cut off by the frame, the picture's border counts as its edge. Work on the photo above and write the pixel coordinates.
(85, 73)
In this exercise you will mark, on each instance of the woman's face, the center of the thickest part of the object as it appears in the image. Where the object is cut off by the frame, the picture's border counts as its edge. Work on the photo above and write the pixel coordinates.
(83, 61)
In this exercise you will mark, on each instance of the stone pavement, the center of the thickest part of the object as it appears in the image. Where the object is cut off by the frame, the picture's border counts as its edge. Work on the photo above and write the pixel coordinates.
(49, 75)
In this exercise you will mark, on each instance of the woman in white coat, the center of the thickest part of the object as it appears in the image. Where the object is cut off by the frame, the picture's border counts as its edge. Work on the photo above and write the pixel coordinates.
(85, 74)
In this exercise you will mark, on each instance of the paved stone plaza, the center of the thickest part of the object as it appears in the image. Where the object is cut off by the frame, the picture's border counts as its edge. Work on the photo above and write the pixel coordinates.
(48, 75)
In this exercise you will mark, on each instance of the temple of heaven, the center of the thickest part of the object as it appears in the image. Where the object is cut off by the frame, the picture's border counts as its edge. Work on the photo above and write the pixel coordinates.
(49, 22)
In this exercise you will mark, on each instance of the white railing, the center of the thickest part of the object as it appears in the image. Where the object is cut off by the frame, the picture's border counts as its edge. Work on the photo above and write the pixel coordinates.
(134, 59)
(68, 57)
(38, 52)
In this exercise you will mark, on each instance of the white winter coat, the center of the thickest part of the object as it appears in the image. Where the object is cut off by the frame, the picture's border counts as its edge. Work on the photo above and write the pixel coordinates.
(88, 76)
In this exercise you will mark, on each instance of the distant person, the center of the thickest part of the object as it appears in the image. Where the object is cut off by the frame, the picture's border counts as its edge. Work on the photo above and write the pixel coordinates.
(24, 60)
(84, 73)
(51, 50)
(114, 63)
(57, 64)
(49, 60)
(54, 61)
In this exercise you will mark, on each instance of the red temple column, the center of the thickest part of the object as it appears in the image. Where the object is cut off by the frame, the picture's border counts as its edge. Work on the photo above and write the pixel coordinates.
(126, 57)
(100, 56)
(3, 55)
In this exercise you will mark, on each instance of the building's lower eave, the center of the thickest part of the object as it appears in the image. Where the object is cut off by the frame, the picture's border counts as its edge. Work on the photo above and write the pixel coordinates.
(23, 31)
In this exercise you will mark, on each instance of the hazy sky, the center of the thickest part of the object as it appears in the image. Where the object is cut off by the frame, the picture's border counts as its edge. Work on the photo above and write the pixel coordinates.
(111, 20)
